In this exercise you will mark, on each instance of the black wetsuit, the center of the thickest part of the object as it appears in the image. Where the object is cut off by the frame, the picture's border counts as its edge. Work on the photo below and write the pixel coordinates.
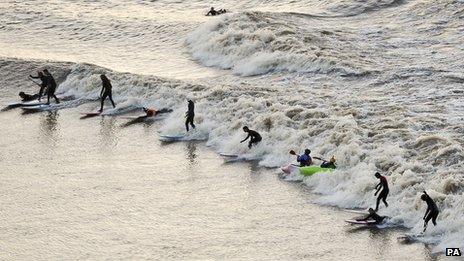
(431, 212)
(254, 138)
(51, 88)
(374, 216)
(190, 115)
(212, 12)
(384, 193)
(43, 83)
(327, 164)
(106, 92)
(29, 97)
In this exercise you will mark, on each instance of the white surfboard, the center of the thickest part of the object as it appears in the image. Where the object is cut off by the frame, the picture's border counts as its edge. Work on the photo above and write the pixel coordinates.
(363, 223)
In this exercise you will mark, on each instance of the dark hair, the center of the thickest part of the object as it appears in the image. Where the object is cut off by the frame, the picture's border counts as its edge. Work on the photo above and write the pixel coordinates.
(307, 151)
(424, 197)
(245, 128)
(377, 174)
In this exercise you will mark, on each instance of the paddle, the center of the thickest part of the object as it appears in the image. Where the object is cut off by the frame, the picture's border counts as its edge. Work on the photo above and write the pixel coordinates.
(35, 82)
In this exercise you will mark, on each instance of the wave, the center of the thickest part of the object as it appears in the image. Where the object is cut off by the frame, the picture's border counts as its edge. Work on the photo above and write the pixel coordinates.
(404, 139)
(254, 43)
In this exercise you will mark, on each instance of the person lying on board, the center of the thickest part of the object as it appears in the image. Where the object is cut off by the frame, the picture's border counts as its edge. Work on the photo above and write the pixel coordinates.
(28, 97)
(372, 216)
(152, 112)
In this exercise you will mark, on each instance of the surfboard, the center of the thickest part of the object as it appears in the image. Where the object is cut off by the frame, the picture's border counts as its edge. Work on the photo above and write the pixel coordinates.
(228, 155)
(410, 238)
(90, 114)
(171, 137)
(363, 223)
(41, 107)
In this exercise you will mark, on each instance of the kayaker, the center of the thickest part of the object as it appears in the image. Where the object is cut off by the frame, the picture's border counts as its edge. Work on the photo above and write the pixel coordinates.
(373, 216)
(384, 193)
(431, 212)
(305, 159)
(329, 164)
(254, 136)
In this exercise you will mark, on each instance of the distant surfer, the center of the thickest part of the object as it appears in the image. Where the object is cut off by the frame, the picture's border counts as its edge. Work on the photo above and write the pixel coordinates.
(106, 91)
(51, 86)
(212, 12)
(305, 159)
(28, 97)
(329, 164)
(384, 193)
(190, 115)
(431, 212)
(373, 216)
(254, 136)
(43, 83)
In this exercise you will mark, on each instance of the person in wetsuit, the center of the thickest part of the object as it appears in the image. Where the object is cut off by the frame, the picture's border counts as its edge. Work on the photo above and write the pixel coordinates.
(329, 164)
(373, 216)
(431, 212)
(51, 86)
(212, 12)
(28, 97)
(253, 135)
(190, 115)
(43, 83)
(106, 91)
(384, 193)
(305, 159)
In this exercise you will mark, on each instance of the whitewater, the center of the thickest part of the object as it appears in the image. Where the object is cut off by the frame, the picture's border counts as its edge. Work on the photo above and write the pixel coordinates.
(376, 83)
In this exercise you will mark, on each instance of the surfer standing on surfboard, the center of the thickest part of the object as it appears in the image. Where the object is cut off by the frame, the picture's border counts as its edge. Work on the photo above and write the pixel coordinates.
(190, 115)
(253, 135)
(431, 212)
(51, 86)
(106, 91)
(384, 193)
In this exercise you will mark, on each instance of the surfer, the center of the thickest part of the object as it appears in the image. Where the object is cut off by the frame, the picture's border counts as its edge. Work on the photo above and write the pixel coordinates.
(373, 216)
(106, 91)
(212, 12)
(28, 97)
(43, 83)
(190, 115)
(329, 164)
(51, 86)
(384, 193)
(253, 135)
(305, 159)
(431, 212)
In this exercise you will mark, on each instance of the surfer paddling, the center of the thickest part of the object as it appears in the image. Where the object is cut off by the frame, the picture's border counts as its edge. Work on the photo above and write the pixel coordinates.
(373, 216)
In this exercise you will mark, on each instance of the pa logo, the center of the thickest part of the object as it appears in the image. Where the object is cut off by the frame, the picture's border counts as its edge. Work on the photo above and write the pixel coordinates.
(453, 251)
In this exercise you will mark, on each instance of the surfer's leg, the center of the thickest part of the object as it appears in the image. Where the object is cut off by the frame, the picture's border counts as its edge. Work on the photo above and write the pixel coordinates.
(187, 124)
(56, 98)
(384, 195)
(102, 101)
(110, 95)
(378, 202)
(434, 218)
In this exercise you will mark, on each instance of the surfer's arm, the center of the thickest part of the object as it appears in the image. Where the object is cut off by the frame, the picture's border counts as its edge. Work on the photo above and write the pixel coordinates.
(426, 212)
(246, 138)
(34, 77)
